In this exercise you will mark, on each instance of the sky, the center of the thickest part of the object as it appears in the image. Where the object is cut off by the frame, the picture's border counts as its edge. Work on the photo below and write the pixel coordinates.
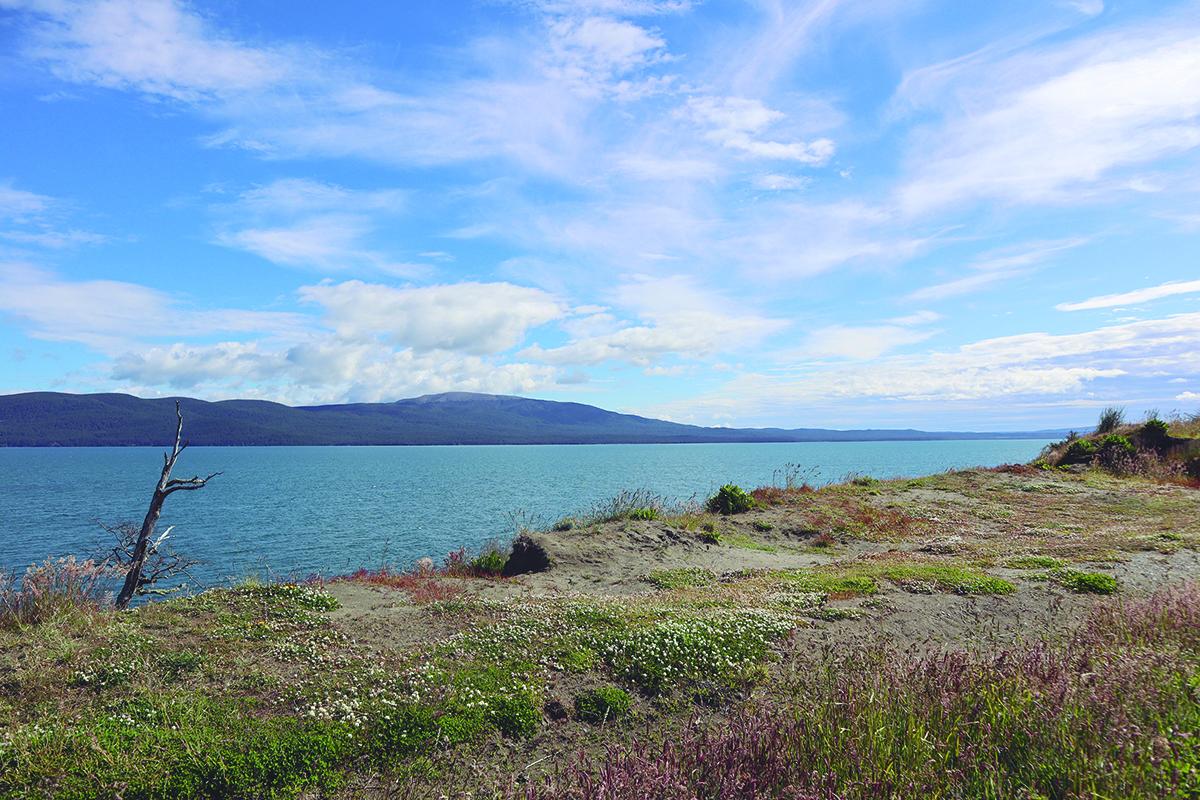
(817, 213)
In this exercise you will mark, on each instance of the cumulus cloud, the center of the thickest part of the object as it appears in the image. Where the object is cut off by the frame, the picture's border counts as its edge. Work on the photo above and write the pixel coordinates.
(320, 371)
(476, 318)
(694, 323)
(1034, 366)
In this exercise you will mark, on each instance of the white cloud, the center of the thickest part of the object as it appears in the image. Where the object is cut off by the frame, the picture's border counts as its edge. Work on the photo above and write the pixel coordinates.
(694, 323)
(916, 318)
(152, 46)
(303, 223)
(737, 123)
(17, 204)
(1036, 366)
(1133, 298)
(774, 182)
(108, 315)
(1048, 125)
(997, 267)
(474, 318)
(859, 342)
(323, 370)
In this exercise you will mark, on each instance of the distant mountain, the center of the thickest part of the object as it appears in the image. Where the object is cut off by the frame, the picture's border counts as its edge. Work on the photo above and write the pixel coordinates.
(39, 419)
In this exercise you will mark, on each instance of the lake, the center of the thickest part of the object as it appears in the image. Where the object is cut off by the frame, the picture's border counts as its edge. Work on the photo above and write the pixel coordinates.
(295, 511)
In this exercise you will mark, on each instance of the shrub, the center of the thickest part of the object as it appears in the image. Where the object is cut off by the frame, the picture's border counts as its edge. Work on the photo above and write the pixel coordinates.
(490, 562)
(603, 704)
(1154, 434)
(710, 535)
(730, 499)
(646, 513)
(1080, 451)
(761, 525)
(1111, 418)
(564, 524)
(515, 715)
(51, 588)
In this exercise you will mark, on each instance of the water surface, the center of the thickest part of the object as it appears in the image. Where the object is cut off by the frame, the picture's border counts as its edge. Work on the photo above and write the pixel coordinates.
(303, 510)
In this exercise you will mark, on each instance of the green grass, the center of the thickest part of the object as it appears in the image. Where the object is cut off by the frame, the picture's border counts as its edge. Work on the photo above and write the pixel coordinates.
(603, 704)
(681, 578)
(745, 542)
(862, 578)
(1034, 562)
(944, 578)
(830, 583)
(1085, 582)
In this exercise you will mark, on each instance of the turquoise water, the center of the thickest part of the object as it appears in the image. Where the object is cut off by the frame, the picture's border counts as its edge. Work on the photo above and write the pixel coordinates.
(296, 511)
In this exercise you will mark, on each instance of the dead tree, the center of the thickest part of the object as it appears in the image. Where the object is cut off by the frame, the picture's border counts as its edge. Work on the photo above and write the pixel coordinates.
(145, 545)
(161, 562)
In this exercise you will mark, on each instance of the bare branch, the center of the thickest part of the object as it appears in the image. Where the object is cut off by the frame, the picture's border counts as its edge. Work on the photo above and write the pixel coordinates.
(187, 484)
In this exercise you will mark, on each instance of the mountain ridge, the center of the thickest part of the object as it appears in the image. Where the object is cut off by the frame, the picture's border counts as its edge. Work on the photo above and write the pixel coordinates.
(41, 419)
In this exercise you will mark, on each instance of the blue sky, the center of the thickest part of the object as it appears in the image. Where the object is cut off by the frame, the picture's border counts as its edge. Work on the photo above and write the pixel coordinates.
(810, 213)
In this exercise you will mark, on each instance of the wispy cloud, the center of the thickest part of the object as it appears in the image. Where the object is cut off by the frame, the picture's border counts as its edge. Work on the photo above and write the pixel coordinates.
(304, 223)
(1049, 125)
(997, 267)
(1134, 297)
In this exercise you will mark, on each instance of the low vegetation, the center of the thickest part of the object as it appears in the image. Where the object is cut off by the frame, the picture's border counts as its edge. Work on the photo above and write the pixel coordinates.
(977, 633)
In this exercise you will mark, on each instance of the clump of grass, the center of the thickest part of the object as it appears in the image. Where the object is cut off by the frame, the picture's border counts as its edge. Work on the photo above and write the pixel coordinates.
(730, 499)
(1111, 418)
(761, 525)
(625, 505)
(833, 585)
(709, 533)
(747, 543)
(720, 649)
(944, 578)
(1034, 562)
(1085, 582)
(52, 588)
(681, 578)
(602, 704)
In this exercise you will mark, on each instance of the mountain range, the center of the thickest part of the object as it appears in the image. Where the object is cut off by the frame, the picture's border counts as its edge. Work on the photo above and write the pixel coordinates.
(39, 419)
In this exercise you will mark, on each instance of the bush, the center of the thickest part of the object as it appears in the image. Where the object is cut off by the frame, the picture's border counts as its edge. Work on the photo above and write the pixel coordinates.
(603, 704)
(53, 587)
(490, 563)
(761, 525)
(1111, 418)
(730, 499)
(1154, 434)
(516, 715)
(1080, 451)
(644, 513)
(709, 534)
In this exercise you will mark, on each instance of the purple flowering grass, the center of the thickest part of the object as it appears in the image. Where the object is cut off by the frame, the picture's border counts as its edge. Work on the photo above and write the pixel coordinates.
(1111, 711)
